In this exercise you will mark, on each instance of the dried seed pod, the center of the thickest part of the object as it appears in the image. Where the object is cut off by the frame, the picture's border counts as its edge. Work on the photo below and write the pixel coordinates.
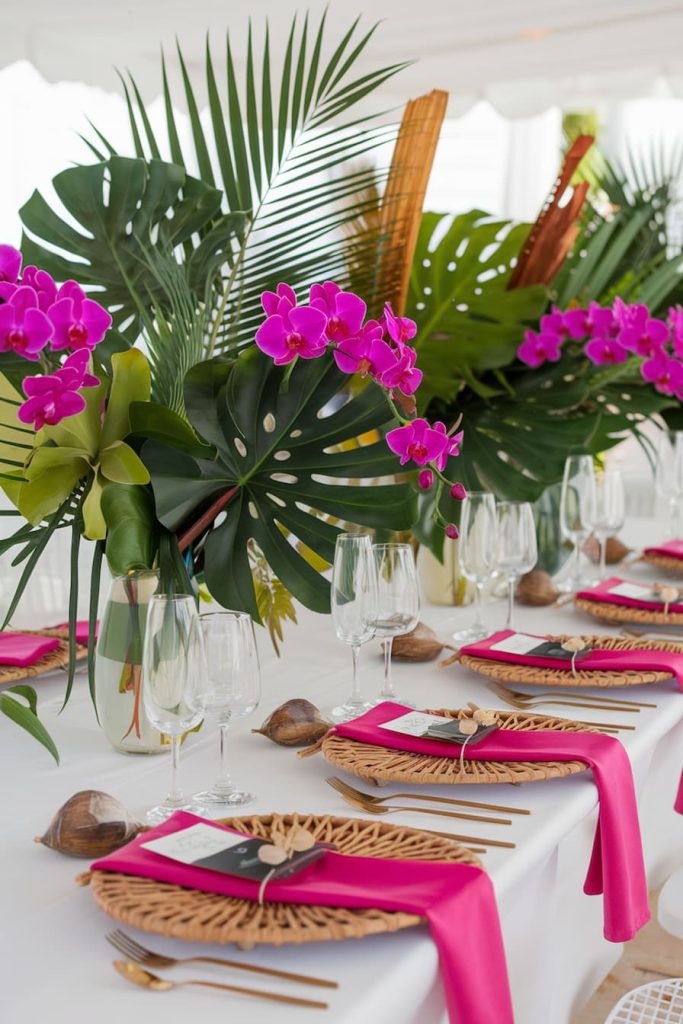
(574, 644)
(485, 717)
(296, 723)
(615, 550)
(90, 824)
(272, 855)
(536, 588)
(421, 644)
(468, 726)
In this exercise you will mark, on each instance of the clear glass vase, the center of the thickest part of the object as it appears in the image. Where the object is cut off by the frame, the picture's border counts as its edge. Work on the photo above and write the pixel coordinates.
(118, 666)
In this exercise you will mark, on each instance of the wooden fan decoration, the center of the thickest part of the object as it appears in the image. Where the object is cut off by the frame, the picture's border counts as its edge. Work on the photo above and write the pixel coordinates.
(401, 210)
(556, 227)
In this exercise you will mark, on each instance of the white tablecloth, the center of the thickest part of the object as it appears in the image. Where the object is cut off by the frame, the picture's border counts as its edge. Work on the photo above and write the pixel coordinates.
(56, 964)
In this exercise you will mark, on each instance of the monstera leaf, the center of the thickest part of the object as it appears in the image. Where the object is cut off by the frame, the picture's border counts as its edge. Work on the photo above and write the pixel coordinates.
(468, 323)
(282, 442)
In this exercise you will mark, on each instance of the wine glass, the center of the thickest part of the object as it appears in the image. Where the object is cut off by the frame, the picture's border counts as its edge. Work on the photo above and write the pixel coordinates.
(173, 674)
(669, 475)
(477, 553)
(577, 487)
(517, 551)
(607, 511)
(354, 609)
(232, 689)
(398, 603)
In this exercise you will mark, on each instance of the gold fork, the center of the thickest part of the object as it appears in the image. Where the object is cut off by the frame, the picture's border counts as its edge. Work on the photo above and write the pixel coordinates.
(133, 950)
(344, 787)
(522, 695)
(527, 705)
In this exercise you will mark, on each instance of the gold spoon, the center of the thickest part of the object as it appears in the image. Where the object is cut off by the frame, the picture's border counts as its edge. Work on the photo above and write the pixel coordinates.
(145, 979)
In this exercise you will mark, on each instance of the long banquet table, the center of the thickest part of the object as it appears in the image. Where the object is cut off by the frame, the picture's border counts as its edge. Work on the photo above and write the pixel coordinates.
(57, 965)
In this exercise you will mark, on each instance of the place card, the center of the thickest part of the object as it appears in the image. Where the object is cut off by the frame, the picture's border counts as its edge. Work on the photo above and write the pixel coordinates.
(450, 732)
(214, 849)
(522, 643)
(414, 723)
(637, 592)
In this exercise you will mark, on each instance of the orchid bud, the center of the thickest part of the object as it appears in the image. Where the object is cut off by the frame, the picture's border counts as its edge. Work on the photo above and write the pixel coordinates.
(425, 480)
(452, 531)
(458, 492)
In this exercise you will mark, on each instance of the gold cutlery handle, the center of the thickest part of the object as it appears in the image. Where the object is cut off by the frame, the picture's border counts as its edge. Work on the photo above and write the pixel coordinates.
(273, 997)
(470, 839)
(304, 979)
(454, 814)
(603, 700)
(458, 803)
(586, 704)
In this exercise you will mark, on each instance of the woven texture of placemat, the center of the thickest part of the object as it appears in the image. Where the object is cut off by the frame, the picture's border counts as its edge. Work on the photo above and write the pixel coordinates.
(672, 565)
(381, 764)
(506, 672)
(622, 613)
(50, 662)
(208, 917)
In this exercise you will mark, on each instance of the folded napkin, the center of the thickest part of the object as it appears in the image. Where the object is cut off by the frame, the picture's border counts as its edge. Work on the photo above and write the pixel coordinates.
(456, 899)
(616, 867)
(607, 661)
(671, 549)
(24, 649)
(601, 593)
(82, 630)
(678, 805)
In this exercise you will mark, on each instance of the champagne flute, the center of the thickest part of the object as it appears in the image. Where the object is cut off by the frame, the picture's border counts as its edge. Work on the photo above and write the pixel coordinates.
(669, 475)
(517, 551)
(232, 689)
(477, 553)
(577, 486)
(607, 511)
(354, 609)
(398, 603)
(173, 674)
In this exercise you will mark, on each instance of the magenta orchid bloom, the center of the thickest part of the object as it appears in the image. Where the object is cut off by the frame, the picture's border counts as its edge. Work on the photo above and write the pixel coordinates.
(52, 397)
(296, 331)
(645, 336)
(78, 322)
(42, 284)
(417, 441)
(345, 311)
(271, 300)
(605, 351)
(404, 375)
(676, 322)
(536, 349)
(10, 264)
(74, 371)
(399, 328)
(24, 328)
(451, 448)
(367, 354)
(595, 320)
(665, 373)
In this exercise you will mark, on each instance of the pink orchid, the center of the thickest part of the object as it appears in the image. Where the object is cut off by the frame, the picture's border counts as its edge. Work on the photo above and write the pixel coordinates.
(452, 447)
(74, 371)
(645, 336)
(292, 332)
(271, 300)
(53, 397)
(596, 320)
(42, 284)
(404, 375)
(366, 354)
(665, 373)
(425, 479)
(79, 322)
(605, 351)
(537, 348)
(24, 328)
(629, 314)
(345, 311)
(10, 264)
(676, 322)
(399, 328)
(417, 441)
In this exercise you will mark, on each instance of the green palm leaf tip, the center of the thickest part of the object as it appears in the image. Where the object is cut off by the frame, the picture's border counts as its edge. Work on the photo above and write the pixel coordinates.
(277, 140)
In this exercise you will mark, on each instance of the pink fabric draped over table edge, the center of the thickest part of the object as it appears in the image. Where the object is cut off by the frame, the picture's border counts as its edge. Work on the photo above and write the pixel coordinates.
(616, 867)
(457, 900)
(670, 548)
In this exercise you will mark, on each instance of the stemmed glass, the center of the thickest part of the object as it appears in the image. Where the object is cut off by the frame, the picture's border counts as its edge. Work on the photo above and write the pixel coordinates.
(477, 553)
(517, 551)
(669, 475)
(577, 487)
(354, 609)
(173, 674)
(607, 510)
(232, 689)
(398, 603)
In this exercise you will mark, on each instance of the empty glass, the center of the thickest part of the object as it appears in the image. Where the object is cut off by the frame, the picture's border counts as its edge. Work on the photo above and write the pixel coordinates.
(517, 551)
(607, 510)
(577, 487)
(173, 675)
(477, 554)
(669, 476)
(232, 689)
(398, 603)
(354, 609)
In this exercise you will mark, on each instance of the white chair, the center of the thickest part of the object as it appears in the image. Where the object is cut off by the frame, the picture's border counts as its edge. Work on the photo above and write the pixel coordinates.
(660, 1002)
(670, 907)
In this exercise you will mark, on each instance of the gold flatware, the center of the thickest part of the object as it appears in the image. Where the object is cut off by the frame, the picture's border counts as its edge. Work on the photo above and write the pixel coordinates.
(137, 975)
(365, 805)
(344, 787)
(522, 694)
(654, 632)
(531, 702)
(141, 955)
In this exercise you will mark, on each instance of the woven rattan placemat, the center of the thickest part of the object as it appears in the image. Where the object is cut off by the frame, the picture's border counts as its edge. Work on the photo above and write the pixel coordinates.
(50, 662)
(207, 917)
(672, 565)
(381, 764)
(623, 613)
(506, 672)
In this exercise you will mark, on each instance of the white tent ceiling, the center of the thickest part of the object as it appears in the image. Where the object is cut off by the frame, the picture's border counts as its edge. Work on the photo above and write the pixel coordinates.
(521, 55)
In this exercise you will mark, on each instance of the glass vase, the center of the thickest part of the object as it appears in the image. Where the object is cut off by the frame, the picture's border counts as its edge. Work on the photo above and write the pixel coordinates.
(118, 666)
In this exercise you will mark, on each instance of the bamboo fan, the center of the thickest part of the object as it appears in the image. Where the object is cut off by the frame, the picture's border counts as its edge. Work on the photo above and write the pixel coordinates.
(556, 227)
(401, 210)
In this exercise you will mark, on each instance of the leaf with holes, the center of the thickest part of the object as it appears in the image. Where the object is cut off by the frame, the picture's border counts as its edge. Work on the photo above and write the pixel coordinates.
(278, 437)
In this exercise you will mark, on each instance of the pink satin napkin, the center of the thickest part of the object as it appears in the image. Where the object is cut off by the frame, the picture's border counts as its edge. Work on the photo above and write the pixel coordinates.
(670, 548)
(601, 593)
(82, 630)
(678, 805)
(24, 649)
(616, 866)
(457, 900)
(617, 661)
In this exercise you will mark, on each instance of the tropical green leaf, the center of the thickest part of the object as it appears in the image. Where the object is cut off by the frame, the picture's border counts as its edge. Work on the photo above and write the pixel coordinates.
(131, 527)
(26, 717)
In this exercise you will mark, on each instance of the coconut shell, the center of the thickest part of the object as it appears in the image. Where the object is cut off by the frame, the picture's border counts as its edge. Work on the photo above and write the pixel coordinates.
(296, 723)
(536, 588)
(615, 550)
(90, 824)
(421, 644)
